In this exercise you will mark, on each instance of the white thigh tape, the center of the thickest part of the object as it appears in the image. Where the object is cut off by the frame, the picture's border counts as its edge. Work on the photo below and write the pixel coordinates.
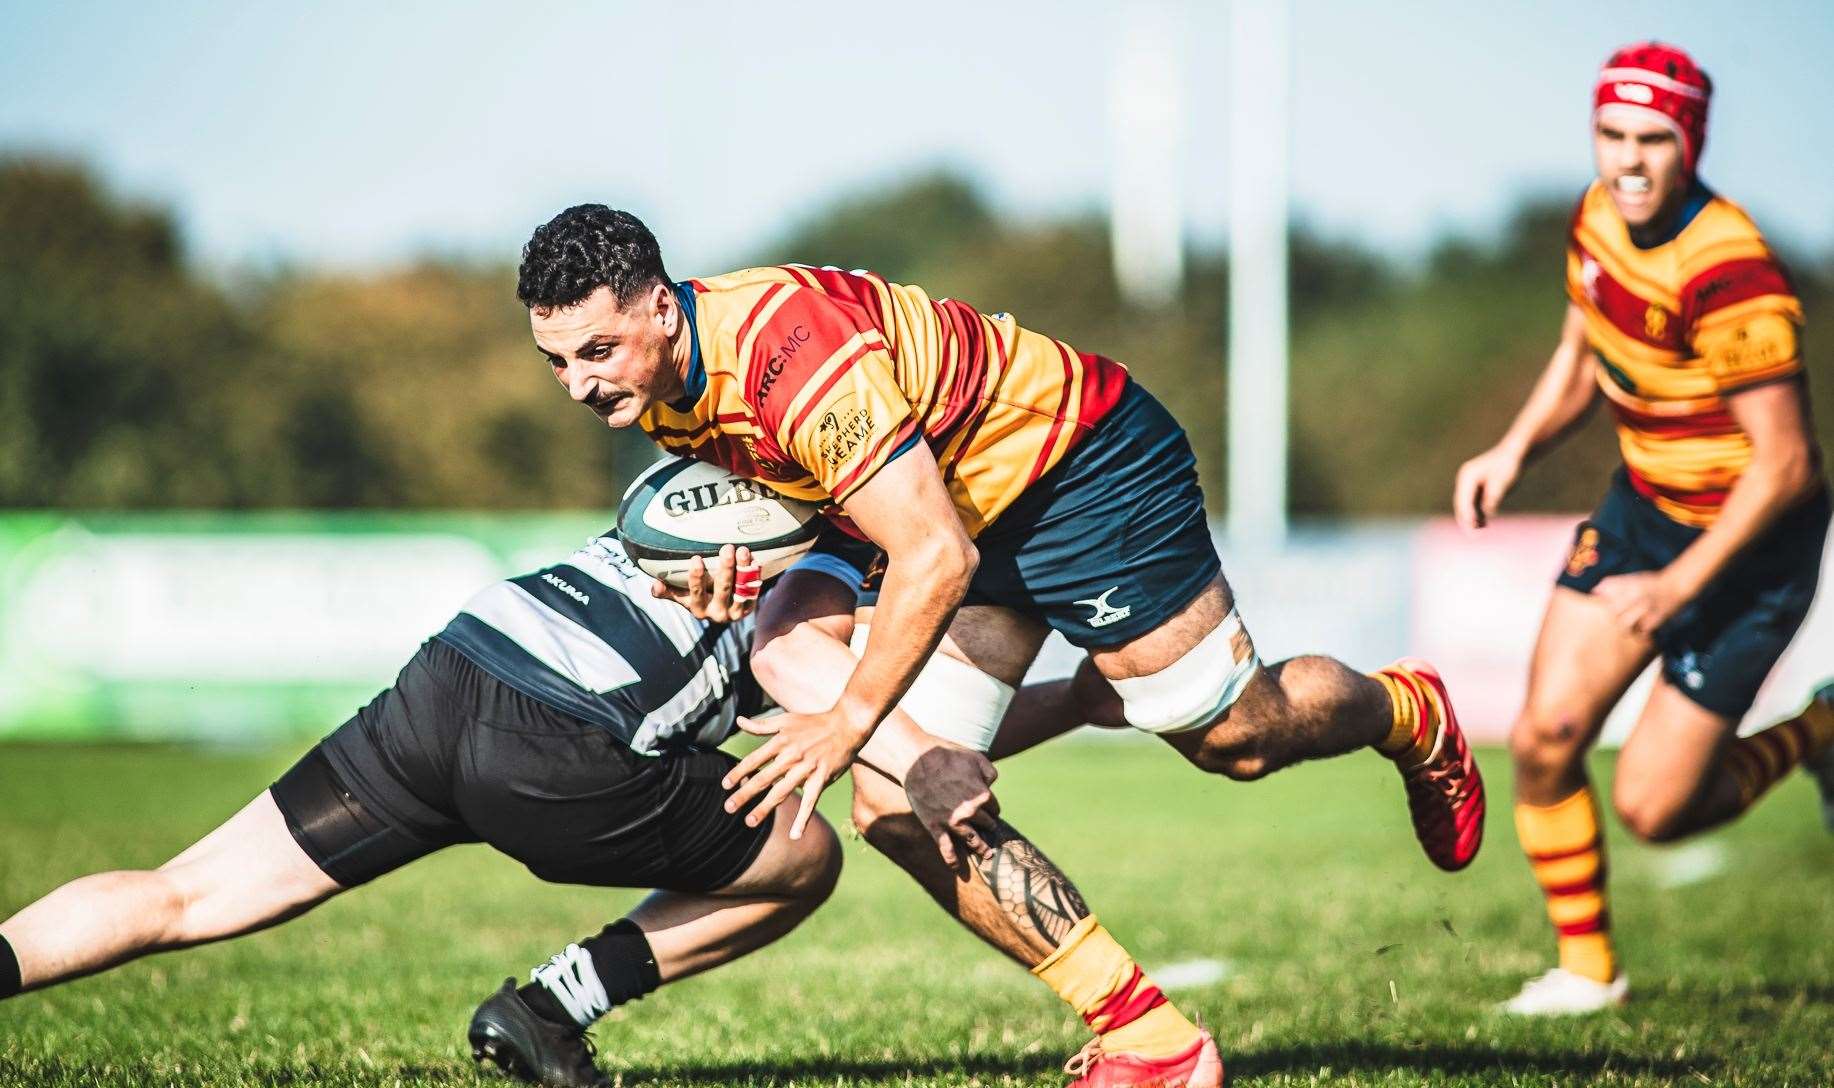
(952, 699)
(1194, 690)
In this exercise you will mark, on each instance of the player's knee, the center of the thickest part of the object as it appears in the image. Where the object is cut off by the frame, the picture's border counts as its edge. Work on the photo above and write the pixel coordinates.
(773, 662)
(1545, 740)
(818, 867)
(1649, 813)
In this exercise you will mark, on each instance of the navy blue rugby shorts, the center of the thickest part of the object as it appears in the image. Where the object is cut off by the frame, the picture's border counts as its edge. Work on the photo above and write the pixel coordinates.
(1113, 541)
(1719, 648)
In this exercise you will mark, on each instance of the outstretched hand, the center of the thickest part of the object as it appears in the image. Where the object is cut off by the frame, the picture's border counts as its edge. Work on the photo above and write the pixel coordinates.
(806, 751)
(722, 590)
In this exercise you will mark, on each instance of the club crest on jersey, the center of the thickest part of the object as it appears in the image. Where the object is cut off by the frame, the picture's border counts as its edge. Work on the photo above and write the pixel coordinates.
(1585, 553)
(1106, 613)
(1655, 322)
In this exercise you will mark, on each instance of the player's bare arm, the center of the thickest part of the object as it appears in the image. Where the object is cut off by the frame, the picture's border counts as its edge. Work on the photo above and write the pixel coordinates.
(1560, 400)
(1783, 471)
(803, 659)
(907, 511)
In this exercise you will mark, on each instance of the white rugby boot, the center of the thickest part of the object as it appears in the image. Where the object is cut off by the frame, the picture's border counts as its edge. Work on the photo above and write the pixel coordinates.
(1820, 766)
(1560, 992)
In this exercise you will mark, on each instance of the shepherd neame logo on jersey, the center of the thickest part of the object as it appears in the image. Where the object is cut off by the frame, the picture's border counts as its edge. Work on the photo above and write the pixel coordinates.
(693, 500)
(841, 431)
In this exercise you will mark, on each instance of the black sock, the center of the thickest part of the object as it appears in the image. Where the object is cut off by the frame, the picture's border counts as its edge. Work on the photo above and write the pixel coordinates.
(620, 962)
(9, 971)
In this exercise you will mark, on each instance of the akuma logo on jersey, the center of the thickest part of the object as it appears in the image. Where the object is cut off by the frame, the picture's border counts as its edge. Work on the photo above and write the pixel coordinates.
(773, 366)
(565, 587)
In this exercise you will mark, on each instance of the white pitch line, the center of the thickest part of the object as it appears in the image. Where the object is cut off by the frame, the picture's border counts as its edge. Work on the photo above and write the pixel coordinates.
(1189, 974)
(1691, 864)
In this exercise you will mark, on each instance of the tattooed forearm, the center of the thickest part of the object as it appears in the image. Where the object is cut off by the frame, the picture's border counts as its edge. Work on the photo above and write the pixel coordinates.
(1033, 892)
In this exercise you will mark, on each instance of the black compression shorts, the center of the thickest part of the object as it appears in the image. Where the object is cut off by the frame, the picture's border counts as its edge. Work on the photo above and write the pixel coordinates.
(450, 754)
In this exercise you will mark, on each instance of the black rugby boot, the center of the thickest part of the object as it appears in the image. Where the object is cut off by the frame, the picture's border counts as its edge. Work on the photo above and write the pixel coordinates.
(530, 1047)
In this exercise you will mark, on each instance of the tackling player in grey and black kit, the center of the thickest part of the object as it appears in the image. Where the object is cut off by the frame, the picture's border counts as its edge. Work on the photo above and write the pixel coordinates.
(566, 717)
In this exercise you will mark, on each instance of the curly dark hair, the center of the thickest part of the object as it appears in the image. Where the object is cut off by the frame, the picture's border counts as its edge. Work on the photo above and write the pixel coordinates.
(584, 248)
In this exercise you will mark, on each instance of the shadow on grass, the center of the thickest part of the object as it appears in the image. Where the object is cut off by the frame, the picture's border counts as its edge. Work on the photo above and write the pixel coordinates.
(830, 1069)
(1788, 993)
(123, 1071)
(1342, 1058)
(1377, 1058)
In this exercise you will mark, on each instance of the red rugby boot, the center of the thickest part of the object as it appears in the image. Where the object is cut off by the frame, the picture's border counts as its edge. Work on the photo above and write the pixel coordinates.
(1446, 793)
(1198, 1067)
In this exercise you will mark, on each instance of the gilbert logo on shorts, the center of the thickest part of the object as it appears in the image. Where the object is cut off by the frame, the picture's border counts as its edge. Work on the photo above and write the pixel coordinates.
(1106, 613)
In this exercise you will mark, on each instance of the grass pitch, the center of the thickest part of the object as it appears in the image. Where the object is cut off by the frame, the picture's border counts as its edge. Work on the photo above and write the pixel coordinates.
(1346, 958)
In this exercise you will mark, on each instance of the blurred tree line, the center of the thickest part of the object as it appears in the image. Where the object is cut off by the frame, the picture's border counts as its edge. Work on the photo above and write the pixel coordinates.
(130, 379)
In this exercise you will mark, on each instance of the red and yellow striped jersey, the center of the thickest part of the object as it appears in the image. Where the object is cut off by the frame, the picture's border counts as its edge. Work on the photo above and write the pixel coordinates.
(1675, 328)
(812, 379)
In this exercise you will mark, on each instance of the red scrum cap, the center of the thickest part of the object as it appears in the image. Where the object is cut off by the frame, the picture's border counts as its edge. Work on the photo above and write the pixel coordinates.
(1660, 83)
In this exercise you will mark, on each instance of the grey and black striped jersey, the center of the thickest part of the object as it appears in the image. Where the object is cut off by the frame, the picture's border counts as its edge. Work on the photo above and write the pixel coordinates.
(586, 637)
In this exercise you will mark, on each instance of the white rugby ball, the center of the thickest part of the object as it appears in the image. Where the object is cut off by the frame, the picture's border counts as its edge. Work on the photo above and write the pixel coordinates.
(681, 508)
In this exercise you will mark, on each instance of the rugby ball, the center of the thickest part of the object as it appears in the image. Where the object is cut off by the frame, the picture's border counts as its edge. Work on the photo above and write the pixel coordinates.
(680, 508)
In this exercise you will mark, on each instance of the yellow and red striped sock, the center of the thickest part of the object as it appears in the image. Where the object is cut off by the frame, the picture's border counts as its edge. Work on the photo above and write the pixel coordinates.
(1095, 975)
(1567, 854)
(1757, 762)
(1415, 730)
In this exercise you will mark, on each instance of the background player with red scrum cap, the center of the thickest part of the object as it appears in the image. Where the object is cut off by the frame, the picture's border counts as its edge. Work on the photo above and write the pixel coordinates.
(1706, 549)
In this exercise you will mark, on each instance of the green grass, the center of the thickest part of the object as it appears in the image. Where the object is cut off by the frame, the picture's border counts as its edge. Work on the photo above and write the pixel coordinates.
(1352, 961)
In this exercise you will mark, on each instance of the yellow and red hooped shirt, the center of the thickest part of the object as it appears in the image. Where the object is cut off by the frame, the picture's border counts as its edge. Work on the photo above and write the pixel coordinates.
(1676, 327)
(813, 379)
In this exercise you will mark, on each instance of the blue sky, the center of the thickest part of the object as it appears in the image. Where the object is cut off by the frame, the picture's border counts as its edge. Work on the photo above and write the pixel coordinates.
(352, 135)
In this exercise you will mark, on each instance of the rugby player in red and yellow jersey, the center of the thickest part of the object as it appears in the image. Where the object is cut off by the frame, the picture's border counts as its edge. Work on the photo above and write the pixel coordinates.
(1014, 485)
(1707, 546)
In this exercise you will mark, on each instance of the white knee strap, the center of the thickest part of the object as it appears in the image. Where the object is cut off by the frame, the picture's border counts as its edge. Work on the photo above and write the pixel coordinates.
(1196, 689)
(952, 699)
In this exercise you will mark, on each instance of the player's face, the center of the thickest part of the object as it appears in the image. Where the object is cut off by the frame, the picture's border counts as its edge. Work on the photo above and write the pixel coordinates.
(1640, 163)
(616, 360)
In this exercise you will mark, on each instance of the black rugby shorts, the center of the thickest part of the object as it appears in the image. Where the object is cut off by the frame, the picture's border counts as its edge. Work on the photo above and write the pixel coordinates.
(450, 754)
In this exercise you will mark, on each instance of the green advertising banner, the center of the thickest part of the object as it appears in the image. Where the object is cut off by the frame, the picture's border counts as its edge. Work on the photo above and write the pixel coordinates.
(235, 628)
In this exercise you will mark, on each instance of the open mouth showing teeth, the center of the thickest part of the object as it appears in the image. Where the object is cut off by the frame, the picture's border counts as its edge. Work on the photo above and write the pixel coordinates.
(1632, 183)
